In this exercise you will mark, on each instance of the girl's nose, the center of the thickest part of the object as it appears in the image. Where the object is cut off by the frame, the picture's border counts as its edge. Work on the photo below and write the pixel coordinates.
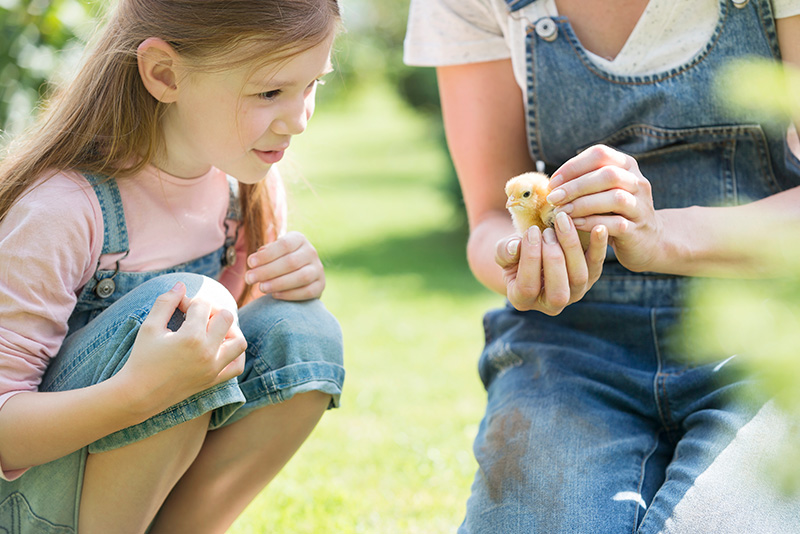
(295, 118)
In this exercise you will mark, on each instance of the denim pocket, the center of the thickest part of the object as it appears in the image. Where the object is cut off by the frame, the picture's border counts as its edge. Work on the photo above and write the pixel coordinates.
(706, 166)
(17, 517)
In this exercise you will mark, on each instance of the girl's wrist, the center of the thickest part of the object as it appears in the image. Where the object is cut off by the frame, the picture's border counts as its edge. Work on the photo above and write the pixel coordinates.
(133, 401)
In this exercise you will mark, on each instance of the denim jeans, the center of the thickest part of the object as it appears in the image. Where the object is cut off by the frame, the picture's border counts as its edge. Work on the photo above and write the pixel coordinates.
(593, 428)
(293, 347)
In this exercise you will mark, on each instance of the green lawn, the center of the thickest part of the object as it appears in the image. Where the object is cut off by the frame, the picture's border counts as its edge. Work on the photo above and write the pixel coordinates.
(368, 187)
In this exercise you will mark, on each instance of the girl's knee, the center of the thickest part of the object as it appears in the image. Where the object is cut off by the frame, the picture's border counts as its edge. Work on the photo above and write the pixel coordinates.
(197, 286)
(294, 324)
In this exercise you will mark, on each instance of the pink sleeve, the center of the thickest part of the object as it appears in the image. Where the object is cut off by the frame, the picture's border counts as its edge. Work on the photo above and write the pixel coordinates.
(49, 245)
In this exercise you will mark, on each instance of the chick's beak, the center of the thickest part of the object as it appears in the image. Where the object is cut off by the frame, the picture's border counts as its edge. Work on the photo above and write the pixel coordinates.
(511, 201)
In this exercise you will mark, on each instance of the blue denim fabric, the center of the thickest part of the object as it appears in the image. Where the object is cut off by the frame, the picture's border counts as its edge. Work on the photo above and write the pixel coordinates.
(597, 420)
(293, 347)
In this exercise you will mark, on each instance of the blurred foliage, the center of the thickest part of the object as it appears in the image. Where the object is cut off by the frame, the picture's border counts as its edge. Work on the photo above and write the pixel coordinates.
(759, 320)
(771, 90)
(38, 38)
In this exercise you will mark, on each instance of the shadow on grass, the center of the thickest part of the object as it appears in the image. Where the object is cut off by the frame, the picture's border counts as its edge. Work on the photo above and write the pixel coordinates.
(437, 258)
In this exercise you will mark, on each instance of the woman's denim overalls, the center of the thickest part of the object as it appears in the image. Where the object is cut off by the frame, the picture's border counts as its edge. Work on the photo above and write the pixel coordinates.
(596, 421)
(293, 347)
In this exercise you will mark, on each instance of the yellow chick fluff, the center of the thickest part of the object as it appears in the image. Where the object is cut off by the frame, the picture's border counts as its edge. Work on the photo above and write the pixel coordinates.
(527, 202)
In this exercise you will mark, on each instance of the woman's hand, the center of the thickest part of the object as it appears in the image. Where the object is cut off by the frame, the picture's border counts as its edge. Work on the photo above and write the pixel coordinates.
(602, 186)
(288, 269)
(547, 271)
(166, 367)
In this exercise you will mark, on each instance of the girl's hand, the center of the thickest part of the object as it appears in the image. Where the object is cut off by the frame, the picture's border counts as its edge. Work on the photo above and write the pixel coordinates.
(288, 269)
(548, 271)
(602, 186)
(166, 367)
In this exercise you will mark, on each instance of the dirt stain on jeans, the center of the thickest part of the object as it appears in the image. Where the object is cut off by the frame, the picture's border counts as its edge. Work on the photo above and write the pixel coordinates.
(506, 446)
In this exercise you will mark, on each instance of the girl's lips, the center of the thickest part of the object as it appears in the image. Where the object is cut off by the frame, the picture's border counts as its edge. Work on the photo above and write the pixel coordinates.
(270, 156)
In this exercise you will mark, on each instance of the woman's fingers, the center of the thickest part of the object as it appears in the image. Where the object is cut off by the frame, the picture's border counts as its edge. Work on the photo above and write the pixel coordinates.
(596, 252)
(589, 160)
(556, 278)
(577, 271)
(529, 272)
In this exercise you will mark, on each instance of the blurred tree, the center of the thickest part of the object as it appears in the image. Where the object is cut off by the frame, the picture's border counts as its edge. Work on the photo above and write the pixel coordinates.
(37, 38)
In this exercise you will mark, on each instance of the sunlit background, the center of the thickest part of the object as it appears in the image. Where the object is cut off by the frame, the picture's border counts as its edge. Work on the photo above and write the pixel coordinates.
(372, 187)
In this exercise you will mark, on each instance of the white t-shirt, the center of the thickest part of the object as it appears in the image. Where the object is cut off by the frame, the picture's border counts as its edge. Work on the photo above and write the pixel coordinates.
(453, 32)
(668, 34)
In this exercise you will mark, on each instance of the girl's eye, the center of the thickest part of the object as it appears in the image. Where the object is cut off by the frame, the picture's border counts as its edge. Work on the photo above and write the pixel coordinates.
(270, 95)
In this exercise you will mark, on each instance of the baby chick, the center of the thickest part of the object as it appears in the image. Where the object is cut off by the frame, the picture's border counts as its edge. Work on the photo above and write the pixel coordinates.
(526, 201)
(528, 206)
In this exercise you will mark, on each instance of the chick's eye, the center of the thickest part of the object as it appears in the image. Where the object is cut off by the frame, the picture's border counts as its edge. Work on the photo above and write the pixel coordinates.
(526, 194)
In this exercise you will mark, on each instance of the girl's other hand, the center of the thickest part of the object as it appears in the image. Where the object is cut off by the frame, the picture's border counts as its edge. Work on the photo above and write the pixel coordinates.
(288, 269)
(166, 367)
(547, 271)
(602, 186)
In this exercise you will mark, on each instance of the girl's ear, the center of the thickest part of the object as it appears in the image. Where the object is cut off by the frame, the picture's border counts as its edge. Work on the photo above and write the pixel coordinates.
(158, 68)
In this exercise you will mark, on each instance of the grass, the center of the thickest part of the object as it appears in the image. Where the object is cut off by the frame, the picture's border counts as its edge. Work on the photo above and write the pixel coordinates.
(367, 185)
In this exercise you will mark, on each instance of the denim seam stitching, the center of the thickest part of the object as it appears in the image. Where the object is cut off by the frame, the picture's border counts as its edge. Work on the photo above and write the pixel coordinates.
(659, 387)
(649, 455)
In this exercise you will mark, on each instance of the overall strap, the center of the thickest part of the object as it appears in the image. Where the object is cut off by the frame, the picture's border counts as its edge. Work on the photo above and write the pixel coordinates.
(115, 231)
(514, 5)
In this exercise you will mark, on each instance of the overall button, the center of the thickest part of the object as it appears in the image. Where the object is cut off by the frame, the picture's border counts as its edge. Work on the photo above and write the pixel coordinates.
(105, 288)
(740, 3)
(546, 29)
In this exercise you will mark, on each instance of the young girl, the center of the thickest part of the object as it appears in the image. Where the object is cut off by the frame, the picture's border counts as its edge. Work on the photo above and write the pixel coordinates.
(134, 392)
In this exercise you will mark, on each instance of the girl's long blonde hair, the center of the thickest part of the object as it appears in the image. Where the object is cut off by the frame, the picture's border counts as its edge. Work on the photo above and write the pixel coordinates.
(105, 122)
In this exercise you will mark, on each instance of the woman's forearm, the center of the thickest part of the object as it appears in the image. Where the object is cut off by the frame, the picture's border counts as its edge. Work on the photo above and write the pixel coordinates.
(750, 240)
(481, 249)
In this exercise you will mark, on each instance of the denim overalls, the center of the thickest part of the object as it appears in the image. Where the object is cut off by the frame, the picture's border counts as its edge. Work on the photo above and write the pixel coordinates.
(597, 422)
(293, 347)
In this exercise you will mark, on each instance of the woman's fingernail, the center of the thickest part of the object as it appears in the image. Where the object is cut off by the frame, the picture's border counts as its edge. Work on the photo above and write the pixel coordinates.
(532, 235)
(555, 181)
(579, 221)
(550, 236)
(566, 208)
(556, 196)
(512, 247)
(249, 278)
(562, 221)
(177, 287)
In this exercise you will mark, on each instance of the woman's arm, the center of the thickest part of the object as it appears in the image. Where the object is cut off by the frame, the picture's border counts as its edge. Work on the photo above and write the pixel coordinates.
(484, 119)
(485, 123)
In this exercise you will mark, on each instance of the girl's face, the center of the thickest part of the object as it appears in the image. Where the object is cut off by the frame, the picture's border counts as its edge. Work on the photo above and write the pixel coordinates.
(241, 121)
